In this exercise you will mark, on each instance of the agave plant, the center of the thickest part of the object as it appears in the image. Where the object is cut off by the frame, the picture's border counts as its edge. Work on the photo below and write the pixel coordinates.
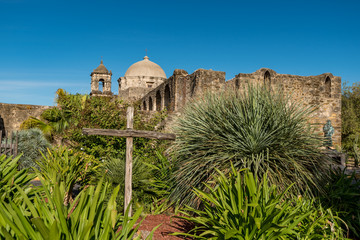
(241, 207)
(46, 217)
(257, 129)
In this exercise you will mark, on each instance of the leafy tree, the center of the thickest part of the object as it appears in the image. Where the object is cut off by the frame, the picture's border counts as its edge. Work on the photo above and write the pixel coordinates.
(350, 116)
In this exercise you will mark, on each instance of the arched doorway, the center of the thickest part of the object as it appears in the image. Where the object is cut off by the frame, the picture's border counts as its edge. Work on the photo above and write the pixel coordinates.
(167, 99)
(158, 101)
(327, 87)
(150, 104)
(267, 80)
(144, 106)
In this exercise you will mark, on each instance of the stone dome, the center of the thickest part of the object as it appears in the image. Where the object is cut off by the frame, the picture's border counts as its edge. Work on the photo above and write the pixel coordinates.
(145, 68)
(101, 68)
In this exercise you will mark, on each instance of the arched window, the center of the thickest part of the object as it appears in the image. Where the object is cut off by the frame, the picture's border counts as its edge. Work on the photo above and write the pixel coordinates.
(101, 85)
(267, 80)
(167, 99)
(144, 106)
(150, 104)
(158, 101)
(327, 87)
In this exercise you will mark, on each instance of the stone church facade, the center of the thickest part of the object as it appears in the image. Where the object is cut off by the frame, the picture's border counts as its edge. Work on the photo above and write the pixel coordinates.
(146, 83)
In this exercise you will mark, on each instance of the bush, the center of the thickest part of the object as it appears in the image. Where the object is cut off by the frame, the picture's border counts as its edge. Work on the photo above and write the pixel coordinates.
(149, 181)
(32, 143)
(241, 207)
(343, 196)
(258, 129)
(67, 166)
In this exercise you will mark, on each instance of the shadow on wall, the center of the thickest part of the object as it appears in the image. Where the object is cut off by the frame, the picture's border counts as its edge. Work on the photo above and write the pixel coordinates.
(2, 127)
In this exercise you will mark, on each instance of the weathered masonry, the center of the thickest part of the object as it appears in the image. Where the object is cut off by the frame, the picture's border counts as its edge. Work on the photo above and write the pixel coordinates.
(12, 115)
(321, 91)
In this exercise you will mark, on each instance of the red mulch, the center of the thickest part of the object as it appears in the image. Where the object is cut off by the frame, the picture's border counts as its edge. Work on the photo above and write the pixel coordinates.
(169, 224)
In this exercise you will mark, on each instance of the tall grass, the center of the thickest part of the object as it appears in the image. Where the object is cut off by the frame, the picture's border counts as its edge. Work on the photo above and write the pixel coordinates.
(257, 129)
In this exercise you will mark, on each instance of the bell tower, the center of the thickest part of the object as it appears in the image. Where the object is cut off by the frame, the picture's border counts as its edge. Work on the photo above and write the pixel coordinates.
(101, 81)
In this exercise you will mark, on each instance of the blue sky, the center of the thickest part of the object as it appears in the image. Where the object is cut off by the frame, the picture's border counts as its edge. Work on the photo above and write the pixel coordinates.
(46, 45)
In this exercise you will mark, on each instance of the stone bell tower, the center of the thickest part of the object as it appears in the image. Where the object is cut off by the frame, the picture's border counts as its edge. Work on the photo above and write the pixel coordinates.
(101, 81)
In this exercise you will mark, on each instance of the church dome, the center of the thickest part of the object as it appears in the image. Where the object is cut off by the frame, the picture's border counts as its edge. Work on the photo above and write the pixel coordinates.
(145, 68)
(101, 68)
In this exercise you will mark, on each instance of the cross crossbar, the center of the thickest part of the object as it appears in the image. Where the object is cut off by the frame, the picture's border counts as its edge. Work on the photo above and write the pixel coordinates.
(129, 133)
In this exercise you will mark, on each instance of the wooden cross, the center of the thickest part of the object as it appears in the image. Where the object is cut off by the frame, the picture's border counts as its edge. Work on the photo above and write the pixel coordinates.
(129, 133)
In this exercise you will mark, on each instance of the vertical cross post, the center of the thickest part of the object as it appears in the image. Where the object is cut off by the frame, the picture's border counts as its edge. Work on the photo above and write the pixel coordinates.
(128, 164)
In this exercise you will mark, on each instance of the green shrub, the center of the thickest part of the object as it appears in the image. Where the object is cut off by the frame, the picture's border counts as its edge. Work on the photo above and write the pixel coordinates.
(149, 181)
(258, 129)
(32, 143)
(241, 207)
(343, 196)
(88, 217)
(67, 166)
(10, 177)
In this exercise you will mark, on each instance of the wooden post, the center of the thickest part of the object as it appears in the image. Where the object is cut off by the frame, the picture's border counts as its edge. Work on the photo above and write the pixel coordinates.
(128, 164)
(129, 133)
(16, 143)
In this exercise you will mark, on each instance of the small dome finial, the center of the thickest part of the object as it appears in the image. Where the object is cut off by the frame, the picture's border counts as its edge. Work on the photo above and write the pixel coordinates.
(146, 58)
(101, 62)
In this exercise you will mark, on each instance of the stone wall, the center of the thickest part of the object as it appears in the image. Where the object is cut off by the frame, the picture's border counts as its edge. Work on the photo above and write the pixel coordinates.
(12, 115)
(180, 88)
(323, 92)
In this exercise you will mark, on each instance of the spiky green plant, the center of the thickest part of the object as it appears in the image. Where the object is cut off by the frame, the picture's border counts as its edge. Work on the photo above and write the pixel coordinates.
(10, 177)
(256, 129)
(32, 143)
(67, 166)
(343, 196)
(141, 175)
(88, 217)
(241, 207)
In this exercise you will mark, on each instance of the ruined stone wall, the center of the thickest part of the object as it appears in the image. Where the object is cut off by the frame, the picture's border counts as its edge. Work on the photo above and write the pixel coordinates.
(321, 91)
(181, 87)
(12, 115)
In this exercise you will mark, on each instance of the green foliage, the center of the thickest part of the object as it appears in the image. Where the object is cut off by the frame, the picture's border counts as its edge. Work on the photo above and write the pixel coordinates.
(350, 116)
(75, 112)
(31, 144)
(10, 177)
(258, 129)
(241, 207)
(343, 196)
(149, 181)
(88, 217)
(115, 174)
(67, 166)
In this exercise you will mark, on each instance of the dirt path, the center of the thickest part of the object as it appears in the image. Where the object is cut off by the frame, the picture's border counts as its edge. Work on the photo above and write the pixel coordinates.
(169, 224)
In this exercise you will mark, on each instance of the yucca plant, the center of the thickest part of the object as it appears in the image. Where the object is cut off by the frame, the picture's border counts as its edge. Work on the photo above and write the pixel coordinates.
(46, 217)
(67, 166)
(258, 129)
(32, 143)
(10, 177)
(241, 207)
